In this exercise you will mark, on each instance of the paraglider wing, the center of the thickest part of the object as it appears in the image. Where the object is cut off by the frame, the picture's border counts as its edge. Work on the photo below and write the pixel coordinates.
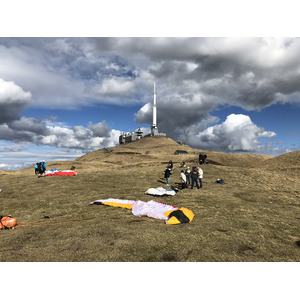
(170, 214)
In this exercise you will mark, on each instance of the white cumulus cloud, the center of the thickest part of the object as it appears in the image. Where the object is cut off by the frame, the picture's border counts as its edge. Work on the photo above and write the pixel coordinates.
(236, 133)
(118, 86)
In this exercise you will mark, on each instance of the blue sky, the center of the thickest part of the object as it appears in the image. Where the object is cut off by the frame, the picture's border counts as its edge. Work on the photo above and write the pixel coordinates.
(61, 97)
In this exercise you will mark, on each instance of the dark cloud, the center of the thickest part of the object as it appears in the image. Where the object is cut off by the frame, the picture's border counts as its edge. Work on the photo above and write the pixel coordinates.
(9, 112)
(29, 124)
(13, 99)
(9, 134)
(248, 72)
(100, 129)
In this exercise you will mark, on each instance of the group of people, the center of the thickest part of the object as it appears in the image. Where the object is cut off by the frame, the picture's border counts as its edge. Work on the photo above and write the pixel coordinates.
(190, 177)
(40, 168)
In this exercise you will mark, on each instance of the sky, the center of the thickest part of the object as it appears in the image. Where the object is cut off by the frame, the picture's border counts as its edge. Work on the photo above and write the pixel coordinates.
(61, 97)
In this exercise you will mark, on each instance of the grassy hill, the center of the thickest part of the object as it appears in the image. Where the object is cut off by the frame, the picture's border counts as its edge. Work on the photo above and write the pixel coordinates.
(254, 217)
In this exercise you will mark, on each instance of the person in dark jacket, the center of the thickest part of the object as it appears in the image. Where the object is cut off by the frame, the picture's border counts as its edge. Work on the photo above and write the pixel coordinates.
(36, 168)
(194, 177)
(43, 167)
(40, 168)
(200, 159)
(168, 174)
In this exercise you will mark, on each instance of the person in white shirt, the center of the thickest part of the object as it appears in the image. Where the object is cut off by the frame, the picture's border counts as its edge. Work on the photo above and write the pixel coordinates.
(183, 179)
(200, 171)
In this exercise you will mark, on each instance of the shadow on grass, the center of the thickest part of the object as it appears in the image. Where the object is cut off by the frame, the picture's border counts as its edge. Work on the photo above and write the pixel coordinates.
(161, 181)
(244, 249)
(168, 257)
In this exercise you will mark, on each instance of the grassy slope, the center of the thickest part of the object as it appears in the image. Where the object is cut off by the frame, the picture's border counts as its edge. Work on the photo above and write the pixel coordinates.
(254, 217)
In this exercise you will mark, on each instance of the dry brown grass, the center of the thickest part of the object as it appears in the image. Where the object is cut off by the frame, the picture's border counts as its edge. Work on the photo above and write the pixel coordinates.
(254, 217)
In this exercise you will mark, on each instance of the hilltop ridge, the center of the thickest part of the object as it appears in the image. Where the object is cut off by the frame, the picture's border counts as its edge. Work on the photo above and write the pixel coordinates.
(163, 148)
(153, 150)
(144, 146)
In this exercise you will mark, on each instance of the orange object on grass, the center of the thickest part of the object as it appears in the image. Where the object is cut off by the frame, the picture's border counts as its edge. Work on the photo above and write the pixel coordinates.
(7, 222)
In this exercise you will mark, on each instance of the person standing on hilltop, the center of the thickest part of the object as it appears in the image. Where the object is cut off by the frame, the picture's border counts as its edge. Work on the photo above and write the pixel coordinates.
(43, 167)
(36, 168)
(188, 176)
(194, 177)
(200, 171)
(168, 174)
(200, 159)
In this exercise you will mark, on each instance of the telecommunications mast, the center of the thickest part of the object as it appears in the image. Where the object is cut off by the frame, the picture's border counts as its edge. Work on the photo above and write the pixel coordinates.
(154, 130)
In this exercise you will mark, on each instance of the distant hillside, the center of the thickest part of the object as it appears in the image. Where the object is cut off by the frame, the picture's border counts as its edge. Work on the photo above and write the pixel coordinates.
(150, 148)
(238, 160)
(289, 160)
